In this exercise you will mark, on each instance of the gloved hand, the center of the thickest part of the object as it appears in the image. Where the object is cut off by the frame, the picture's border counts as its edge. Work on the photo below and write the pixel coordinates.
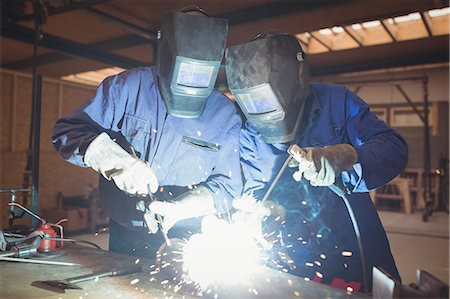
(130, 174)
(194, 203)
(250, 214)
(321, 165)
(249, 210)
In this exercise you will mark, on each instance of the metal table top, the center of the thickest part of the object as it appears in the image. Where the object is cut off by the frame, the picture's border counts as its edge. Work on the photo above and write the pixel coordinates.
(16, 279)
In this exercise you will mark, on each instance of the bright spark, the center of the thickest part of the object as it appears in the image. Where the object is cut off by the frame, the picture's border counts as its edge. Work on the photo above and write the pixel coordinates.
(134, 281)
(224, 253)
(346, 253)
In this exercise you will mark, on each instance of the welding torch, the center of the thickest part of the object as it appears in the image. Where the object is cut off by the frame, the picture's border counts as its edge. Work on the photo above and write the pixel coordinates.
(295, 150)
(159, 218)
(150, 198)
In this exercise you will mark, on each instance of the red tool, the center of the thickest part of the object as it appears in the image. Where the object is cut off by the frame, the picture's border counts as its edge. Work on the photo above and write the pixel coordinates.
(47, 244)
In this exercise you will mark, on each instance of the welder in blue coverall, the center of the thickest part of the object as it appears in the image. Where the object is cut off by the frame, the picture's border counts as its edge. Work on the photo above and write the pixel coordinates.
(269, 79)
(162, 131)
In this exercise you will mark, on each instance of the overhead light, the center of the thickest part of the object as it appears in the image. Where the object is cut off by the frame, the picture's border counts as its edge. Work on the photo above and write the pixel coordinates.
(439, 12)
(337, 29)
(377, 32)
(325, 31)
(407, 18)
(371, 24)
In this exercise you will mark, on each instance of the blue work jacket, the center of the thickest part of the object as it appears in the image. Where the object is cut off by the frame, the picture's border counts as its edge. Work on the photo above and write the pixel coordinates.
(318, 233)
(182, 152)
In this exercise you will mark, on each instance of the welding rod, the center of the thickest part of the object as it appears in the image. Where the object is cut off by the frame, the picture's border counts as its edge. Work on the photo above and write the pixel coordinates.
(160, 221)
(275, 180)
(163, 232)
(35, 261)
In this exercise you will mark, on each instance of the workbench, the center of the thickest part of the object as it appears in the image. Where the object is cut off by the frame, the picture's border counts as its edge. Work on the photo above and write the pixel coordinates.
(16, 279)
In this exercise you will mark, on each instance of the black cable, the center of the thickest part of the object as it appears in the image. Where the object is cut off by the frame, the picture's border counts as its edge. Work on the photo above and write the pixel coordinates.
(339, 192)
(75, 241)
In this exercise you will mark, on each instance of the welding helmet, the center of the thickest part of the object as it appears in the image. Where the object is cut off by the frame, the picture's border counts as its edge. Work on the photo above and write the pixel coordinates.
(269, 79)
(189, 54)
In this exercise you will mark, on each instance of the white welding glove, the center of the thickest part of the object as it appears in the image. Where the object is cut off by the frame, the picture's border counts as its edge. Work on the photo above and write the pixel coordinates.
(130, 174)
(194, 203)
(320, 166)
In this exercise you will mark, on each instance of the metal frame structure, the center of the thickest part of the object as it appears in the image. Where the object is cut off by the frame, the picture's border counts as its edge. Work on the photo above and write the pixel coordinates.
(423, 117)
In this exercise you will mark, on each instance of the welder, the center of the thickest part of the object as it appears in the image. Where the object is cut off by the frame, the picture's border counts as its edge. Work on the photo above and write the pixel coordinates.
(165, 142)
(269, 78)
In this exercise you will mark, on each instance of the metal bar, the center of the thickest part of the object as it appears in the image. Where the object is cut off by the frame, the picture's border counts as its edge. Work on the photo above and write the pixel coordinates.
(109, 45)
(35, 261)
(381, 81)
(357, 89)
(13, 190)
(36, 127)
(320, 41)
(352, 36)
(276, 9)
(422, 117)
(385, 27)
(148, 34)
(70, 48)
(438, 56)
(73, 5)
(427, 157)
(275, 180)
(426, 24)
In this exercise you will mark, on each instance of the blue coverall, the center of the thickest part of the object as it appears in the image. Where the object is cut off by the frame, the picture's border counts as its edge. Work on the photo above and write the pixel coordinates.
(182, 152)
(318, 234)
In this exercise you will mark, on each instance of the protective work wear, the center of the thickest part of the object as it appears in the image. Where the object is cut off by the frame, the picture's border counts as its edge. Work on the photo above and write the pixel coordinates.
(190, 50)
(268, 77)
(195, 203)
(321, 165)
(318, 233)
(130, 174)
(182, 152)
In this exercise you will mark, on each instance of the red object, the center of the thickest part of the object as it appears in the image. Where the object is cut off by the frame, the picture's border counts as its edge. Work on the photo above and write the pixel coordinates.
(47, 245)
(339, 283)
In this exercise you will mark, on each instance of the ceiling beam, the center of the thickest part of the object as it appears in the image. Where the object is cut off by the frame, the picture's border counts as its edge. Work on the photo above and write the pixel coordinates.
(419, 59)
(67, 47)
(147, 34)
(54, 10)
(109, 45)
(277, 9)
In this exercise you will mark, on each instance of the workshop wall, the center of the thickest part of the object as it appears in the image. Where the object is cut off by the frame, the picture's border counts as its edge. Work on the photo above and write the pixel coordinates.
(56, 175)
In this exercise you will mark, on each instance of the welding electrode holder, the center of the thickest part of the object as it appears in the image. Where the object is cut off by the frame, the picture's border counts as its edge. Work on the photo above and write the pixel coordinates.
(294, 149)
(148, 199)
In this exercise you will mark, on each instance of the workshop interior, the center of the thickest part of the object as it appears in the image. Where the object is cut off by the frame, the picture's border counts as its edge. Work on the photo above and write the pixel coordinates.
(55, 53)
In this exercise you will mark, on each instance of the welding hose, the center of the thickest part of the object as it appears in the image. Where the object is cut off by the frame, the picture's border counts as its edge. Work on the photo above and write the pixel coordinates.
(295, 149)
(339, 192)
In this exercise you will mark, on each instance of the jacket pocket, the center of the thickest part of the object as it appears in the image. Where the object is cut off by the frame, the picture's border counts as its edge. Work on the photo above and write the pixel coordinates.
(214, 147)
(136, 131)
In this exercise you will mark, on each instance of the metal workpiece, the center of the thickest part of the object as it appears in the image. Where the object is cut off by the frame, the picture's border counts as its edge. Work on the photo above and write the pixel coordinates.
(268, 283)
(59, 286)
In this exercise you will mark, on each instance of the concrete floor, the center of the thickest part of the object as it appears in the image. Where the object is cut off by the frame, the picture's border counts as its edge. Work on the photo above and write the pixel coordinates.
(414, 243)
(417, 244)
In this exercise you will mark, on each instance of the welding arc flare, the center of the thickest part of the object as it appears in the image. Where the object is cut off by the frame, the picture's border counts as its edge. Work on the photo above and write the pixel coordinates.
(223, 254)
